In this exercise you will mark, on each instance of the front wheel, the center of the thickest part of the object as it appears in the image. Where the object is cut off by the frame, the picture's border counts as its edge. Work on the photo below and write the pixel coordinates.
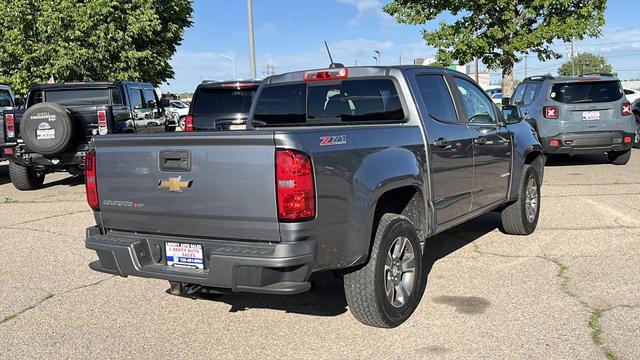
(25, 177)
(387, 290)
(521, 217)
(619, 157)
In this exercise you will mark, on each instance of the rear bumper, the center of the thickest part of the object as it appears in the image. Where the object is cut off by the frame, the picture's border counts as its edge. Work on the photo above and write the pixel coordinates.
(282, 268)
(588, 142)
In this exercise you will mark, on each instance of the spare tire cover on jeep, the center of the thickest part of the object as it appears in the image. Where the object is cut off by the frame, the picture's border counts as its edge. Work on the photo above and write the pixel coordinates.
(47, 128)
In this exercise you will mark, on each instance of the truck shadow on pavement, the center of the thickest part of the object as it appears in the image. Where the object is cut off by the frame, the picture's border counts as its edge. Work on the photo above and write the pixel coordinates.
(68, 181)
(327, 298)
(570, 160)
(4, 174)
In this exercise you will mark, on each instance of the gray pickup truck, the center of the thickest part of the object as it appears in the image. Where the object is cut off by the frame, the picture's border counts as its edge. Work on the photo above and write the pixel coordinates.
(343, 169)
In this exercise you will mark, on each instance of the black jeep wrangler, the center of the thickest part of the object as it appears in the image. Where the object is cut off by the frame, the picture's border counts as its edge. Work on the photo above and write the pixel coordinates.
(53, 132)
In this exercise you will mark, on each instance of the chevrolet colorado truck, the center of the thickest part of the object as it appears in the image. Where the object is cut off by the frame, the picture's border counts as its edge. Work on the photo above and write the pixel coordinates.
(342, 169)
(53, 132)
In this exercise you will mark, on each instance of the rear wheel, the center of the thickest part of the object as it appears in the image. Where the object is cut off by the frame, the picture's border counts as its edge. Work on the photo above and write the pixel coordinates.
(386, 291)
(619, 157)
(181, 122)
(521, 217)
(25, 177)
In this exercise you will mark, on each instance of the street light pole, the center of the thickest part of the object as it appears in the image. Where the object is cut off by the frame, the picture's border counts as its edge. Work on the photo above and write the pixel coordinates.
(252, 48)
(233, 63)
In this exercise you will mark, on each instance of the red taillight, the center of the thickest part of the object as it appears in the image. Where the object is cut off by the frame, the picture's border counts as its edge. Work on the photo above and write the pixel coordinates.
(10, 125)
(554, 143)
(294, 186)
(329, 74)
(188, 123)
(627, 139)
(551, 112)
(102, 122)
(626, 109)
(90, 180)
(8, 151)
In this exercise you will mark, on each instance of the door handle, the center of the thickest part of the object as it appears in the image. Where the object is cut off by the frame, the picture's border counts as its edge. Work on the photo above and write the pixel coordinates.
(480, 140)
(441, 143)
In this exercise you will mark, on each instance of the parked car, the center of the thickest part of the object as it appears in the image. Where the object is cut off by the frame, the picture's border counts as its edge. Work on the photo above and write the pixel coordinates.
(631, 94)
(635, 108)
(497, 98)
(177, 111)
(579, 115)
(52, 133)
(343, 169)
(221, 105)
(493, 90)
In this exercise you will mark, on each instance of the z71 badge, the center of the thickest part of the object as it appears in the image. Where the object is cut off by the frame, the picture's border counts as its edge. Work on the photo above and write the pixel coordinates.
(333, 140)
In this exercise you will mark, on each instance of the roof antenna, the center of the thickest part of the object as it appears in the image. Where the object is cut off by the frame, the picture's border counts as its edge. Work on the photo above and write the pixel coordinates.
(333, 65)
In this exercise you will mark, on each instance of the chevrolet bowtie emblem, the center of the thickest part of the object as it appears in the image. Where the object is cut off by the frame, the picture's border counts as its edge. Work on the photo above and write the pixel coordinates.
(175, 184)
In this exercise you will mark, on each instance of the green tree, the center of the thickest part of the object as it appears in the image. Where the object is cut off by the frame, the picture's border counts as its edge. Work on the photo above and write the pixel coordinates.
(584, 63)
(500, 31)
(90, 40)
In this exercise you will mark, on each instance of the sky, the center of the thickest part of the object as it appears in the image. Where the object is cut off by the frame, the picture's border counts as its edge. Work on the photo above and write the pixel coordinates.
(289, 35)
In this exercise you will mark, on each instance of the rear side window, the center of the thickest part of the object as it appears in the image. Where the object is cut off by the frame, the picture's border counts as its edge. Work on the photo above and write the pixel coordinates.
(436, 97)
(5, 98)
(586, 92)
(78, 97)
(350, 101)
(222, 101)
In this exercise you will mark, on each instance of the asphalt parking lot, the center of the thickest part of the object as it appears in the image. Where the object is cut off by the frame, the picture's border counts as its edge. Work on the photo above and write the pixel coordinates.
(570, 290)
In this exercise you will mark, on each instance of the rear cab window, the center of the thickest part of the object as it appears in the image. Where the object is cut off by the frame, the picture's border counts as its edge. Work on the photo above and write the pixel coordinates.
(586, 92)
(333, 102)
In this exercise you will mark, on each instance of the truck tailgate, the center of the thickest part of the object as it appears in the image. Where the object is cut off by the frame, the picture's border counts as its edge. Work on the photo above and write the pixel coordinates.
(227, 192)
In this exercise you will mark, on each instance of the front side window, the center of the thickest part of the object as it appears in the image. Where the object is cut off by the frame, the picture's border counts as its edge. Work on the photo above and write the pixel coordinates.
(135, 97)
(518, 95)
(479, 107)
(531, 92)
(149, 98)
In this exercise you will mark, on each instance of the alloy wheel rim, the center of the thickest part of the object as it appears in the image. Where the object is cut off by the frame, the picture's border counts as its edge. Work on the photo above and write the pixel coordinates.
(531, 200)
(400, 272)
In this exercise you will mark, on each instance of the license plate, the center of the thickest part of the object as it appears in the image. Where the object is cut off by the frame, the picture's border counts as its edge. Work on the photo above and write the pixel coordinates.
(590, 115)
(237, 127)
(184, 255)
(45, 134)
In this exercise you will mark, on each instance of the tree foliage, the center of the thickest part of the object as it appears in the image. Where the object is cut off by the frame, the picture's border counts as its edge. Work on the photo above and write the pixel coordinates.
(584, 63)
(90, 39)
(500, 31)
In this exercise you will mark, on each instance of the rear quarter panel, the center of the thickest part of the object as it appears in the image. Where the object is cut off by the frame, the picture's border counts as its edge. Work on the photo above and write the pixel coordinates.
(350, 177)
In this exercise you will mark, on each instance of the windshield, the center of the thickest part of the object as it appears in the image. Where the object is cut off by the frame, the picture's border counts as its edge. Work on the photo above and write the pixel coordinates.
(5, 98)
(223, 101)
(587, 92)
(78, 97)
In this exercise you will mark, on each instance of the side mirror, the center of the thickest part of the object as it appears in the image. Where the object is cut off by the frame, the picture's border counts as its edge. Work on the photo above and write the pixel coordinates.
(506, 100)
(19, 102)
(164, 102)
(511, 114)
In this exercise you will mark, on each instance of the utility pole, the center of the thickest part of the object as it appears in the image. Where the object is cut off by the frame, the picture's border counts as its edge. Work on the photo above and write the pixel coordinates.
(400, 62)
(477, 70)
(252, 48)
(377, 56)
(573, 63)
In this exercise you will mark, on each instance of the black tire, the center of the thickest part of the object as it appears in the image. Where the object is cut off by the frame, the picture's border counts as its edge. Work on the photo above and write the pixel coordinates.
(619, 157)
(25, 178)
(516, 220)
(181, 122)
(365, 287)
(47, 128)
